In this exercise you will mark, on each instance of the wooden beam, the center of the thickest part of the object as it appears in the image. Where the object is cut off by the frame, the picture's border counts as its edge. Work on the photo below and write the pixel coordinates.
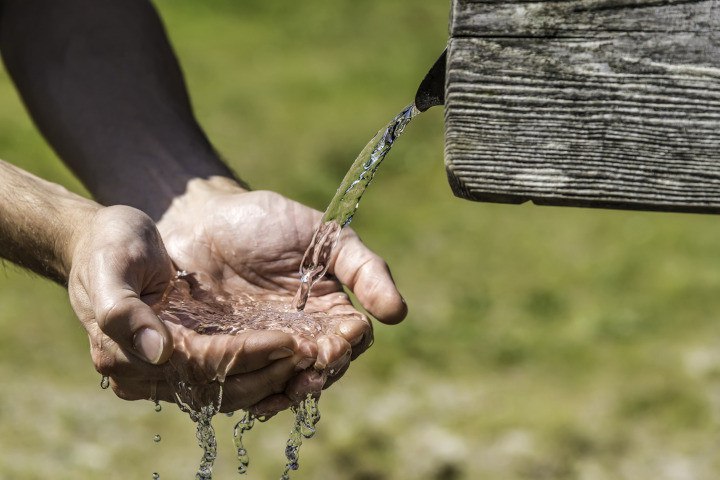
(602, 103)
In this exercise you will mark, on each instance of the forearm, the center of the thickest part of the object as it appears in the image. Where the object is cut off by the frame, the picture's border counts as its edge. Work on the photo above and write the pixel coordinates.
(101, 81)
(39, 221)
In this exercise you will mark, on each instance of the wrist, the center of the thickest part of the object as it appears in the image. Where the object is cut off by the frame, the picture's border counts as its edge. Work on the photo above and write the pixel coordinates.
(199, 191)
(40, 222)
(198, 188)
(78, 214)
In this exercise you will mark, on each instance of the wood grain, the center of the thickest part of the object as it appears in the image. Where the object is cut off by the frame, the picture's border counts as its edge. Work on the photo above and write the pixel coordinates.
(589, 103)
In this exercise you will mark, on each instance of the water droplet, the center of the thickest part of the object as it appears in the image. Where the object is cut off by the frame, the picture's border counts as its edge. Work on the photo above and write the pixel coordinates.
(307, 431)
(157, 438)
(104, 382)
(158, 407)
(156, 476)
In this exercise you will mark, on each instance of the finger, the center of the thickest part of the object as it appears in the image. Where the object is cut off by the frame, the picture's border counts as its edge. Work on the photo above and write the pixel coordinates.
(359, 334)
(132, 324)
(335, 376)
(219, 356)
(271, 405)
(356, 331)
(201, 359)
(241, 391)
(333, 352)
(112, 361)
(368, 276)
(260, 348)
(161, 390)
(120, 268)
(128, 389)
(308, 382)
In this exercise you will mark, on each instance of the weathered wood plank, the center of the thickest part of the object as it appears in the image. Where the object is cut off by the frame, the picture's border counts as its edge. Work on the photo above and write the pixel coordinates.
(582, 109)
(472, 18)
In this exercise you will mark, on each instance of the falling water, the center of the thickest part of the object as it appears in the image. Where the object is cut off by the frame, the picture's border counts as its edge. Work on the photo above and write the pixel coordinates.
(344, 204)
(244, 425)
(307, 415)
(201, 403)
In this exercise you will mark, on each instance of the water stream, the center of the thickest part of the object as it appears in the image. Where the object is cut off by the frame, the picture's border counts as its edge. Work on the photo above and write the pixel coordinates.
(344, 204)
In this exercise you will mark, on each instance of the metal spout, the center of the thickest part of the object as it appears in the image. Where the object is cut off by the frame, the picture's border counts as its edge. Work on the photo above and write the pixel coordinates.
(432, 89)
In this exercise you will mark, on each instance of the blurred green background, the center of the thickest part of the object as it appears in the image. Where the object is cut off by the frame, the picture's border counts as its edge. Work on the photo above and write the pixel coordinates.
(542, 343)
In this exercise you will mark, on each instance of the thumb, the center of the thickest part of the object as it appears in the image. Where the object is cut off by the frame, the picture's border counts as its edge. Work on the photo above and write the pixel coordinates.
(369, 278)
(133, 325)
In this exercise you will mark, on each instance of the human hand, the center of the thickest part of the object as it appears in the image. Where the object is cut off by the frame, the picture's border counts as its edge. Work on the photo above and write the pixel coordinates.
(119, 267)
(251, 243)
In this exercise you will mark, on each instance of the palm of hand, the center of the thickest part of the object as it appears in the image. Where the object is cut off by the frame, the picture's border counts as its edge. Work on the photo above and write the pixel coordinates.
(252, 244)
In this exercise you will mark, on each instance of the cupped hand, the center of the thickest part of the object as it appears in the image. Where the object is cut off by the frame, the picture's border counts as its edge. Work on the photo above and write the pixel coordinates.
(251, 243)
(119, 268)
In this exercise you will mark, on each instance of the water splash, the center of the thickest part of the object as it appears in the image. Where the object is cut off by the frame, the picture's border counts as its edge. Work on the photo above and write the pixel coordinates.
(345, 203)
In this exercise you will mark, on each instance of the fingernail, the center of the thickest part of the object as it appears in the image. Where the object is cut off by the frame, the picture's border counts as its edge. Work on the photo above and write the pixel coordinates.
(283, 352)
(340, 362)
(352, 332)
(149, 344)
(304, 363)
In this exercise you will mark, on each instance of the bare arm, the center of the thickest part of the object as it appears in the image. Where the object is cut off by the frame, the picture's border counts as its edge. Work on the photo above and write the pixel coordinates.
(38, 221)
(102, 83)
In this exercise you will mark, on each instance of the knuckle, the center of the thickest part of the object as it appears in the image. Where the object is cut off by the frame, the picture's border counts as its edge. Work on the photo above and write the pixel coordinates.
(104, 364)
(113, 313)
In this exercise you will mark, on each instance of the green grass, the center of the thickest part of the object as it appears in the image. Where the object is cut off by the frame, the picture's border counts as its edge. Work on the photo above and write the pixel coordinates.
(542, 343)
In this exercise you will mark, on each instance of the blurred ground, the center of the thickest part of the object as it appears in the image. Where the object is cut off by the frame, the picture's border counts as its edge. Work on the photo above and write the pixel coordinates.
(542, 343)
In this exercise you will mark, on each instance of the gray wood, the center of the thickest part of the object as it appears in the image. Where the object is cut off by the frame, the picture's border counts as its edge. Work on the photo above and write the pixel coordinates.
(589, 103)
